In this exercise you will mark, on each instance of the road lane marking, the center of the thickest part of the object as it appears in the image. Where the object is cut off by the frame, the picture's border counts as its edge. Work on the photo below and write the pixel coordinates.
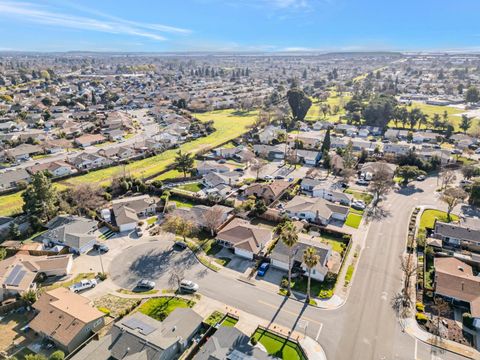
(289, 312)
(384, 295)
(416, 349)
(319, 330)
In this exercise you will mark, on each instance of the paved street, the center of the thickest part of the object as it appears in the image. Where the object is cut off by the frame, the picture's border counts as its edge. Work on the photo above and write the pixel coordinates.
(365, 327)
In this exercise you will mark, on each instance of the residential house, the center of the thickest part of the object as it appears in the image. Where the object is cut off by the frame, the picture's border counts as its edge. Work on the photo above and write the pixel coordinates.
(23, 152)
(368, 169)
(245, 239)
(213, 179)
(65, 318)
(309, 139)
(128, 210)
(203, 217)
(346, 129)
(280, 254)
(270, 133)
(228, 342)
(55, 168)
(315, 210)
(139, 336)
(308, 157)
(273, 152)
(77, 233)
(11, 179)
(87, 161)
(457, 235)
(455, 281)
(321, 191)
(205, 167)
(118, 152)
(18, 273)
(308, 184)
(89, 140)
(396, 149)
(268, 192)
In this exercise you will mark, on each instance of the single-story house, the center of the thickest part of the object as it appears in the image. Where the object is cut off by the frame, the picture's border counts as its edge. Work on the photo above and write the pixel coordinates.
(274, 152)
(204, 216)
(86, 161)
(457, 235)
(279, 255)
(75, 232)
(23, 152)
(372, 168)
(205, 167)
(56, 168)
(11, 179)
(128, 210)
(269, 192)
(245, 239)
(66, 318)
(308, 157)
(89, 140)
(213, 179)
(316, 210)
(321, 191)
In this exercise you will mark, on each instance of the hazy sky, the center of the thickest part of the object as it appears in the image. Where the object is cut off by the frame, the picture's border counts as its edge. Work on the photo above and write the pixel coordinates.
(240, 25)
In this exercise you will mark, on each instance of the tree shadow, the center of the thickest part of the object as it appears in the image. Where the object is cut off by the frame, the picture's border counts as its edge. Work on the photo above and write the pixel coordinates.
(409, 190)
(377, 213)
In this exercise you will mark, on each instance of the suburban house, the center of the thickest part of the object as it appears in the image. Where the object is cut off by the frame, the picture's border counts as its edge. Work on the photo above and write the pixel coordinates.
(65, 318)
(128, 210)
(315, 210)
(321, 191)
(139, 336)
(11, 179)
(267, 135)
(205, 167)
(228, 342)
(23, 152)
(245, 239)
(273, 152)
(204, 216)
(75, 232)
(56, 168)
(370, 168)
(89, 140)
(279, 255)
(396, 149)
(86, 161)
(118, 152)
(268, 192)
(214, 179)
(18, 273)
(309, 183)
(455, 281)
(308, 157)
(457, 235)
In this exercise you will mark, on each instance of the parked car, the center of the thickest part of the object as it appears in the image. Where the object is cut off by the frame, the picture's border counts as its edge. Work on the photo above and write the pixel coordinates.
(362, 182)
(180, 245)
(279, 177)
(101, 248)
(262, 269)
(358, 205)
(421, 177)
(188, 286)
(83, 285)
(268, 177)
(139, 231)
(146, 284)
(465, 182)
(456, 152)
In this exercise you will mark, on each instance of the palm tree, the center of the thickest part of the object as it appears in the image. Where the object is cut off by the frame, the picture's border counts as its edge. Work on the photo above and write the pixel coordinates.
(289, 237)
(184, 162)
(311, 259)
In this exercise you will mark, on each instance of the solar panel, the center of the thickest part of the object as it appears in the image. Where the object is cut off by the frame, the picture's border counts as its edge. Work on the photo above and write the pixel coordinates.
(134, 324)
(13, 274)
(19, 278)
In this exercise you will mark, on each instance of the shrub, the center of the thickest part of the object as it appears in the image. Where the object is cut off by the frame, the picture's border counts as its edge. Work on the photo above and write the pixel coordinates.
(102, 276)
(57, 355)
(140, 223)
(104, 310)
(421, 317)
(253, 341)
(284, 283)
(467, 320)
(420, 307)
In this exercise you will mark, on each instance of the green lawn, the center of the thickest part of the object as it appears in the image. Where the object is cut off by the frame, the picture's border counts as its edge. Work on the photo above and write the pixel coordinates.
(428, 218)
(181, 202)
(359, 195)
(193, 187)
(278, 346)
(229, 124)
(349, 274)
(214, 318)
(353, 220)
(159, 308)
(151, 220)
(314, 113)
(336, 244)
(229, 321)
(323, 289)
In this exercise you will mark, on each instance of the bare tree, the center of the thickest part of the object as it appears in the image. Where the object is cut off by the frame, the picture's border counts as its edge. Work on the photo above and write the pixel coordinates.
(409, 270)
(452, 197)
(179, 226)
(381, 183)
(257, 165)
(447, 176)
(213, 218)
(175, 275)
(85, 198)
(440, 309)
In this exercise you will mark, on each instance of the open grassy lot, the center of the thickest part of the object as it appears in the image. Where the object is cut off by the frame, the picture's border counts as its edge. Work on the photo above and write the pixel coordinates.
(229, 124)
(278, 346)
(353, 220)
(428, 218)
(159, 308)
(314, 114)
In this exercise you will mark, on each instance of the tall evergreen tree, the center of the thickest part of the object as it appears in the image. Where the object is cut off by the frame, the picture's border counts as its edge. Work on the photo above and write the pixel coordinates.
(40, 199)
(326, 142)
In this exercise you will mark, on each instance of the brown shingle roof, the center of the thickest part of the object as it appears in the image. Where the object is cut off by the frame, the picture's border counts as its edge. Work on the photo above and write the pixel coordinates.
(243, 235)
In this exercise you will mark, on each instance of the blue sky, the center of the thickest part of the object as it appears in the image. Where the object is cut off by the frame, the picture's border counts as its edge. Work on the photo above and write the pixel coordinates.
(240, 25)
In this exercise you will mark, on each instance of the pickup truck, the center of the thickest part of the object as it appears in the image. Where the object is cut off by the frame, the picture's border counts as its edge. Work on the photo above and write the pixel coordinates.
(83, 285)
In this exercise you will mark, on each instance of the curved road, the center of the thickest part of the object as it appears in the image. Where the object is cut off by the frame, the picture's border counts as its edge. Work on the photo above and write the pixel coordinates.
(365, 327)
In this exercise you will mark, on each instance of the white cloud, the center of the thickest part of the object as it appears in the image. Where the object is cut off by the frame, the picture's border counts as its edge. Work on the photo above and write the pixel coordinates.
(26, 11)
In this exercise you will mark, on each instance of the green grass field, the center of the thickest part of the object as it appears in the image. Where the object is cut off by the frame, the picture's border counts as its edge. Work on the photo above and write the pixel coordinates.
(229, 124)
(278, 346)
(428, 218)
(194, 187)
(353, 220)
(159, 308)
(314, 114)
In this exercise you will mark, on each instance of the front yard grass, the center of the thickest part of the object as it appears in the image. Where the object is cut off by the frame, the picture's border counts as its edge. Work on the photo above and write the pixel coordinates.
(152, 220)
(321, 289)
(130, 292)
(278, 346)
(180, 202)
(159, 308)
(193, 187)
(360, 195)
(429, 216)
(353, 220)
(336, 244)
(214, 318)
(115, 305)
(229, 322)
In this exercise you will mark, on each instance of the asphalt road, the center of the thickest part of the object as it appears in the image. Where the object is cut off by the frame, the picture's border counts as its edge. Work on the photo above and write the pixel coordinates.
(365, 327)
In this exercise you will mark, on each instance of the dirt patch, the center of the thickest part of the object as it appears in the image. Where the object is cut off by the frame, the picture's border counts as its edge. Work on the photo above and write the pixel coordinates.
(12, 337)
(115, 305)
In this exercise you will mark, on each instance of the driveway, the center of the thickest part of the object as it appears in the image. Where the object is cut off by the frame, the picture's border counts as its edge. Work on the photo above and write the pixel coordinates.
(239, 264)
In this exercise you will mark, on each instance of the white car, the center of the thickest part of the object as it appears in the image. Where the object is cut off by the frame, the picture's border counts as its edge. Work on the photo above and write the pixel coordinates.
(362, 182)
(188, 286)
(83, 285)
(359, 205)
(268, 177)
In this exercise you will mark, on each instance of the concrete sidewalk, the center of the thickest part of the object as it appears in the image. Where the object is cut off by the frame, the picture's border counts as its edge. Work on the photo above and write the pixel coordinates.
(411, 327)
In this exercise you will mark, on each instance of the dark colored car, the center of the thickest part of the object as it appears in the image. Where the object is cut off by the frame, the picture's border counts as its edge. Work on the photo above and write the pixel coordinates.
(145, 284)
(263, 269)
(101, 248)
(180, 245)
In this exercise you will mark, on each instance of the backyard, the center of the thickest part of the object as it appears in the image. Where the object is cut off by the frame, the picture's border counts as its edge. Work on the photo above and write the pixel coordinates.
(192, 187)
(278, 346)
(159, 308)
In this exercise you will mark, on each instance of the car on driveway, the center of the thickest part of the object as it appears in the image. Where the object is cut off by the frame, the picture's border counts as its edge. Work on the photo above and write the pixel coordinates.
(268, 177)
(358, 205)
(180, 245)
(83, 285)
(362, 182)
(188, 286)
(263, 269)
(101, 248)
(146, 284)
(421, 177)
